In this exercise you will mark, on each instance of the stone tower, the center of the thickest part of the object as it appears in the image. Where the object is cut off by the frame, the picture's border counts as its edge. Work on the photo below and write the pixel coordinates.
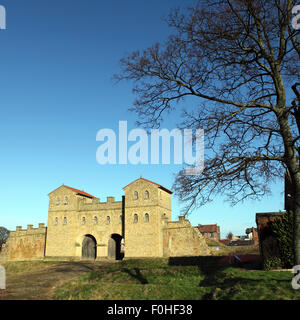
(80, 226)
(146, 203)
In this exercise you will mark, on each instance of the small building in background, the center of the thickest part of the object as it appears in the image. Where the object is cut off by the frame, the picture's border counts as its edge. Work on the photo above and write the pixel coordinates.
(235, 238)
(252, 235)
(225, 241)
(267, 243)
(211, 231)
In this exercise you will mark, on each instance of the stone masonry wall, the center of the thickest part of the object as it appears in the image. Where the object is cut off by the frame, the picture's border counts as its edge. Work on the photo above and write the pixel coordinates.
(181, 239)
(79, 217)
(149, 231)
(26, 244)
(142, 238)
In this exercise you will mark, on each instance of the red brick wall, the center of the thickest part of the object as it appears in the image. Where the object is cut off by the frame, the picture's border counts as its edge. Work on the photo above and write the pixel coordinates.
(267, 244)
(207, 235)
(254, 236)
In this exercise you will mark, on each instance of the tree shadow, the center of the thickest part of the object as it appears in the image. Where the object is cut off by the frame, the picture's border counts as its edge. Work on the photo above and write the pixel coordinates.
(137, 275)
(211, 267)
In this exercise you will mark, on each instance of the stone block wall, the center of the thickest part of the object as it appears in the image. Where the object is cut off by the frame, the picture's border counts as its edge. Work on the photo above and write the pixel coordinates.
(67, 227)
(144, 238)
(28, 244)
(74, 216)
(181, 239)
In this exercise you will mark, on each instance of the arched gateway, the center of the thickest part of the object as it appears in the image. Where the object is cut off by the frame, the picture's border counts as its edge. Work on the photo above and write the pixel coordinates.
(114, 247)
(89, 247)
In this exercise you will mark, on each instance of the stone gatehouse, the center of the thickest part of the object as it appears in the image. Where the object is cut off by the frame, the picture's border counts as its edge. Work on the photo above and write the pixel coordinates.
(82, 226)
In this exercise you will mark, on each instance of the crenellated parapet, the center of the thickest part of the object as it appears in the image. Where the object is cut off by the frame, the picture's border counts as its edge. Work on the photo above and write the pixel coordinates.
(182, 222)
(81, 225)
(27, 244)
(95, 204)
(19, 232)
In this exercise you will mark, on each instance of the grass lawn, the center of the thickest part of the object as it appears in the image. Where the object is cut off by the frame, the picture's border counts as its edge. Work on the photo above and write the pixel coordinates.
(193, 278)
(16, 267)
(230, 250)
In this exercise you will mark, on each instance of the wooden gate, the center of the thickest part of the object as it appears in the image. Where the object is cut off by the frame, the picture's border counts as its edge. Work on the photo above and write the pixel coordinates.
(89, 246)
(114, 247)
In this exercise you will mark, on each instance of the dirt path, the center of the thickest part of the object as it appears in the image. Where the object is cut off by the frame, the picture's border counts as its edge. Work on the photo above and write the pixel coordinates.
(40, 285)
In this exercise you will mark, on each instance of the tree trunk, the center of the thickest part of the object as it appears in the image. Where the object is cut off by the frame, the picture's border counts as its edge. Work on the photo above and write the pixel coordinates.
(297, 224)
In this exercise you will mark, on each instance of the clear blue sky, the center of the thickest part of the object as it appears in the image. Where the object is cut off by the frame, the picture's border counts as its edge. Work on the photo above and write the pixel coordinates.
(56, 60)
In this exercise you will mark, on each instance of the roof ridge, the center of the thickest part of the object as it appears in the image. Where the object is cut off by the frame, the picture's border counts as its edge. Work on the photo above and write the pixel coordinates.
(79, 191)
(150, 182)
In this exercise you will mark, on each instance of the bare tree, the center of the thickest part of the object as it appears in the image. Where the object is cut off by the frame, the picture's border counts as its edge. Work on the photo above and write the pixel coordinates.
(229, 235)
(4, 234)
(240, 60)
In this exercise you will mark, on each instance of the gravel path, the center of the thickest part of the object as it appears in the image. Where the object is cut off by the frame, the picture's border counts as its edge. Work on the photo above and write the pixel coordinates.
(40, 285)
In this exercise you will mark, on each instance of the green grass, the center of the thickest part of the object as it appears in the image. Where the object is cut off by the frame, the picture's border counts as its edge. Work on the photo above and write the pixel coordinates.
(227, 250)
(178, 279)
(213, 243)
(15, 267)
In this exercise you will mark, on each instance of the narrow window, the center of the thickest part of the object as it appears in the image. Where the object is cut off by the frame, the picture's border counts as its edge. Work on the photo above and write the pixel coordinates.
(135, 218)
(95, 220)
(57, 201)
(108, 220)
(136, 195)
(146, 194)
(146, 217)
(56, 221)
(65, 220)
(66, 200)
(83, 220)
(120, 221)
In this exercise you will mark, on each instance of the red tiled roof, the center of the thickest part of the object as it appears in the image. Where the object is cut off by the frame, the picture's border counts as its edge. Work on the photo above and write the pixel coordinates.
(80, 192)
(160, 186)
(208, 228)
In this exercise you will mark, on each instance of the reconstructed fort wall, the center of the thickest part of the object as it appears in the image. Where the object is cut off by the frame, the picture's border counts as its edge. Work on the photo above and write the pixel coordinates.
(28, 244)
(69, 222)
(82, 226)
(181, 239)
(143, 238)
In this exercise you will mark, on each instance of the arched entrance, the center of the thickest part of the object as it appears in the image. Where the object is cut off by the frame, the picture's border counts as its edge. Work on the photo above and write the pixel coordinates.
(89, 247)
(114, 247)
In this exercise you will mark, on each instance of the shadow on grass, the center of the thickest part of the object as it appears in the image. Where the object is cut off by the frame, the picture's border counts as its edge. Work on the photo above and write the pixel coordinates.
(209, 266)
(137, 275)
(224, 284)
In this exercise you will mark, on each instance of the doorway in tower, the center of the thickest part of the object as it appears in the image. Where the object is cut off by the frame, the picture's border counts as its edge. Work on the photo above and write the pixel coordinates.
(89, 247)
(114, 247)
